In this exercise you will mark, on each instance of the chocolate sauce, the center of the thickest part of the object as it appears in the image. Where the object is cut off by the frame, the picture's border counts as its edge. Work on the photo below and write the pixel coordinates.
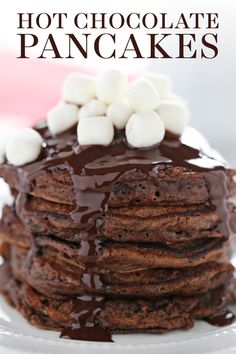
(222, 318)
(83, 317)
(94, 170)
(95, 334)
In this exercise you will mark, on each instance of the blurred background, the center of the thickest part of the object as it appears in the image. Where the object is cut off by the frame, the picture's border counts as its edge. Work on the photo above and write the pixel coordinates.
(29, 87)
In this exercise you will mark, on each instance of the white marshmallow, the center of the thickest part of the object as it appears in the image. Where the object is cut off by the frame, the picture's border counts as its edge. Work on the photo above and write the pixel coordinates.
(161, 82)
(62, 117)
(24, 147)
(6, 196)
(6, 129)
(95, 131)
(79, 88)
(111, 86)
(93, 108)
(142, 95)
(174, 97)
(119, 112)
(144, 129)
(174, 115)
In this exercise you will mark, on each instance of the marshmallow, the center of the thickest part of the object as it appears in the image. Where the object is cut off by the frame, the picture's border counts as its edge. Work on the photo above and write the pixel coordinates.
(174, 97)
(174, 115)
(24, 147)
(161, 82)
(144, 129)
(6, 196)
(142, 95)
(79, 88)
(119, 112)
(62, 117)
(93, 108)
(95, 131)
(7, 130)
(111, 86)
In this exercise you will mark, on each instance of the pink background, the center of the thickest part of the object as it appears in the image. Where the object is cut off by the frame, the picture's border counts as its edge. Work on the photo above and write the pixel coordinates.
(29, 88)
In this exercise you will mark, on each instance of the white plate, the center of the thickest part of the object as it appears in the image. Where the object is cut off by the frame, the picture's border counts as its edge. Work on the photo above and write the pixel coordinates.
(17, 336)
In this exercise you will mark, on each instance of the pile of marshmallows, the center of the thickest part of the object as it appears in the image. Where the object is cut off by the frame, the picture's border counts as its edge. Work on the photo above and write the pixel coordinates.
(145, 108)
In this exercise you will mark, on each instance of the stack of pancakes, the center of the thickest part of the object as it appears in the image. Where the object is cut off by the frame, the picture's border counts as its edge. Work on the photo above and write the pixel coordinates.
(117, 238)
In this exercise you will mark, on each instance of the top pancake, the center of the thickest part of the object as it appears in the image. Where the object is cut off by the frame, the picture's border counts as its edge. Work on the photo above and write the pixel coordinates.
(173, 173)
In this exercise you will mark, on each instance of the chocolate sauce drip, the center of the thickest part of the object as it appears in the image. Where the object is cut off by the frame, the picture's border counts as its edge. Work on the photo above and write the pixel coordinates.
(222, 318)
(95, 334)
(94, 170)
(83, 316)
(218, 191)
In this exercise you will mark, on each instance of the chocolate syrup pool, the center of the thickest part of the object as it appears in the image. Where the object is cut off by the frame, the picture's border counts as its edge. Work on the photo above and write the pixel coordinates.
(94, 170)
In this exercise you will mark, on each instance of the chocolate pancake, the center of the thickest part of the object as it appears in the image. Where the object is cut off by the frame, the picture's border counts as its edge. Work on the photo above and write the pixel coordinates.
(45, 217)
(134, 188)
(174, 185)
(124, 257)
(136, 223)
(53, 275)
(112, 256)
